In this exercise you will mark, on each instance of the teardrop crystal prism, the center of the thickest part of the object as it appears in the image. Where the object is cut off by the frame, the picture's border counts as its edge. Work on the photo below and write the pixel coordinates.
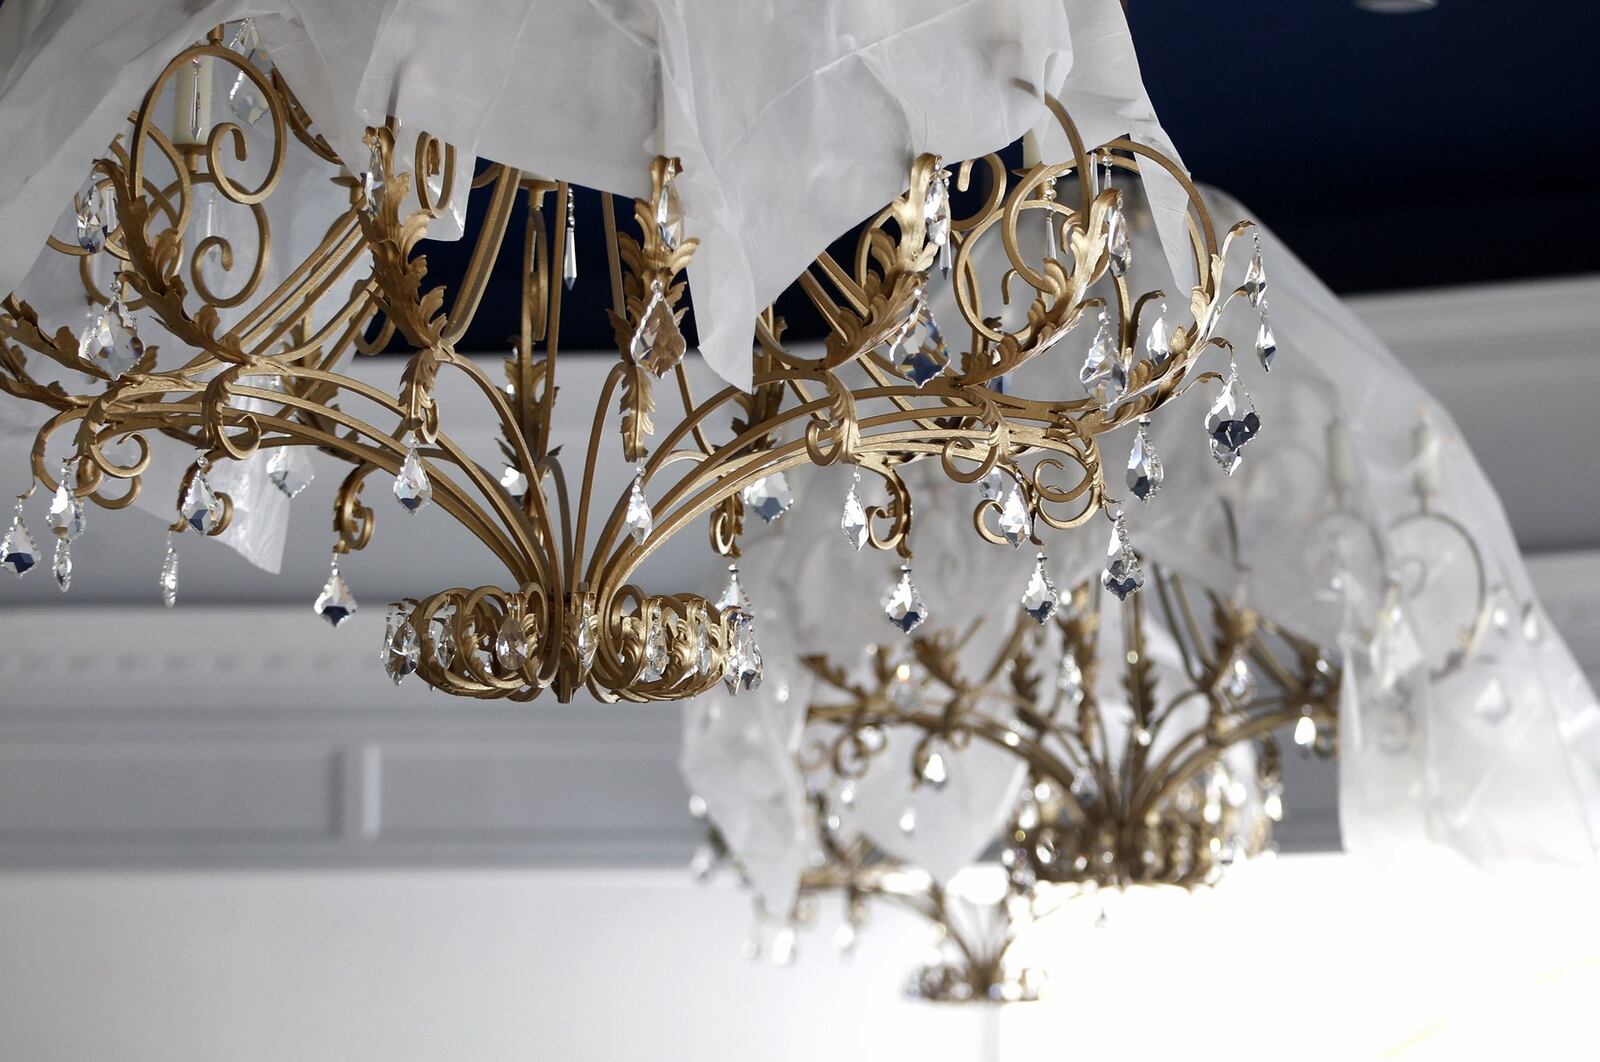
(1158, 344)
(588, 634)
(92, 205)
(733, 595)
(411, 486)
(1232, 421)
(669, 212)
(201, 508)
(282, 473)
(569, 253)
(442, 636)
(402, 649)
(1103, 375)
(1123, 574)
(18, 551)
(853, 521)
(123, 348)
(336, 603)
(1266, 344)
(63, 564)
(1255, 278)
(168, 581)
(1015, 523)
(742, 667)
(511, 643)
(1040, 599)
(1119, 249)
(372, 183)
(1144, 466)
(95, 337)
(705, 657)
(768, 497)
(657, 342)
(902, 603)
(638, 518)
(921, 354)
(1069, 680)
(936, 208)
(1238, 682)
(935, 772)
(66, 517)
(656, 656)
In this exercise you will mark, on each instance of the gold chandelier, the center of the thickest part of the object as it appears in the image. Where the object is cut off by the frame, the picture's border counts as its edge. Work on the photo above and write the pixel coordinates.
(885, 391)
(1148, 793)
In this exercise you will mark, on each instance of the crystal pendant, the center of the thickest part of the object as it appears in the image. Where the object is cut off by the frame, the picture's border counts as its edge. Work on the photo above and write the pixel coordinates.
(282, 473)
(991, 485)
(569, 253)
(669, 212)
(92, 205)
(1123, 574)
(411, 486)
(511, 643)
(1050, 249)
(96, 335)
(935, 772)
(402, 649)
(1232, 422)
(588, 632)
(1015, 523)
(639, 520)
(122, 349)
(515, 483)
(1069, 680)
(936, 208)
(743, 668)
(1144, 465)
(1103, 375)
(1255, 278)
(1040, 599)
(657, 340)
(335, 604)
(201, 508)
(1238, 683)
(1266, 342)
(920, 353)
(1305, 732)
(391, 623)
(853, 522)
(441, 636)
(18, 551)
(372, 183)
(1158, 344)
(656, 657)
(1118, 247)
(769, 497)
(63, 564)
(733, 595)
(902, 603)
(66, 516)
(705, 657)
(168, 581)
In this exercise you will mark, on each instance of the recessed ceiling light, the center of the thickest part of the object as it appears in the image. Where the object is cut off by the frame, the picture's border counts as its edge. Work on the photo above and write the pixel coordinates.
(1397, 7)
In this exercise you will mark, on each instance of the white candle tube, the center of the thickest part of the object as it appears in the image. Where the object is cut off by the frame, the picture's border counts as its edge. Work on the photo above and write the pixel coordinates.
(1341, 456)
(1030, 149)
(191, 110)
(1427, 475)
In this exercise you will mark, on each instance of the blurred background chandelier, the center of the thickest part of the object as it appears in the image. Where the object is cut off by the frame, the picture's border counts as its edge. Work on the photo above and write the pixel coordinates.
(1148, 758)
(254, 374)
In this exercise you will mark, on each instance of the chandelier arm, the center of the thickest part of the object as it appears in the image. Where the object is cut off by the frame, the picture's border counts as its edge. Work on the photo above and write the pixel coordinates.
(1191, 665)
(325, 277)
(491, 237)
(585, 496)
(1483, 612)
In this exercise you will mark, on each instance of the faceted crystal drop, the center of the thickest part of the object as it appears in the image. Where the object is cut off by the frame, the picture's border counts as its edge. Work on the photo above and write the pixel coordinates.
(168, 581)
(1117, 245)
(743, 669)
(569, 254)
(123, 348)
(411, 486)
(853, 522)
(201, 510)
(93, 207)
(441, 635)
(1069, 680)
(1238, 683)
(1158, 344)
(1144, 466)
(283, 474)
(704, 654)
(902, 603)
(1227, 459)
(66, 516)
(769, 497)
(402, 648)
(921, 354)
(935, 772)
(657, 339)
(588, 632)
(1123, 574)
(96, 335)
(1050, 250)
(335, 604)
(669, 215)
(638, 519)
(1040, 599)
(1103, 375)
(1255, 278)
(1232, 421)
(656, 657)
(1305, 732)
(936, 208)
(990, 486)
(1266, 344)
(63, 564)
(18, 551)
(1015, 523)
(733, 595)
(511, 644)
